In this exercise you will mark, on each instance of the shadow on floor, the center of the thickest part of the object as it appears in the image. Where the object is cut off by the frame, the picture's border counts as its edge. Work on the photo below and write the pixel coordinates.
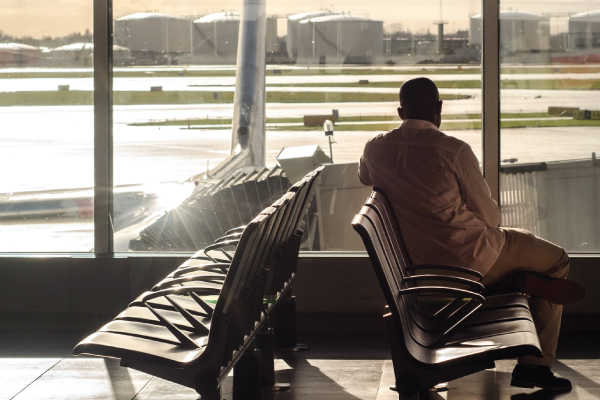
(310, 381)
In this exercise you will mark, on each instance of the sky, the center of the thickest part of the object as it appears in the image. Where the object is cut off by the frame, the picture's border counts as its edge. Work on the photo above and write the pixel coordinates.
(39, 18)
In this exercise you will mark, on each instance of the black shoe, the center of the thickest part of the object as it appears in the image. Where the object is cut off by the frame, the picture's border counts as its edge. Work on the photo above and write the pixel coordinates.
(555, 290)
(541, 376)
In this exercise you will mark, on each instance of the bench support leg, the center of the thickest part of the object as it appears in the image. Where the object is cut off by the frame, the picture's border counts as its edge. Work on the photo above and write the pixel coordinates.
(246, 376)
(284, 324)
(212, 396)
(411, 379)
(265, 342)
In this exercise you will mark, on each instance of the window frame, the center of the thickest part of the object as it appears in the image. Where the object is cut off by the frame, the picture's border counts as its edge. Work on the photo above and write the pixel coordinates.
(103, 128)
(103, 115)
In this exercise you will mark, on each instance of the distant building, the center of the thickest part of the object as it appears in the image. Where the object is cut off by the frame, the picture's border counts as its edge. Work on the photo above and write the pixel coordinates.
(340, 39)
(215, 38)
(15, 55)
(154, 37)
(584, 30)
(81, 55)
(519, 32)
(395, 46)
(292, 29)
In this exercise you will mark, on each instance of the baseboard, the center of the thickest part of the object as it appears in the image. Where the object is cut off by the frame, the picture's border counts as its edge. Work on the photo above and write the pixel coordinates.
(306, 322)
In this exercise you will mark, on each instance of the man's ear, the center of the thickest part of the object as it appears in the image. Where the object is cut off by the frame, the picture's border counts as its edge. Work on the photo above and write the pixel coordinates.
(401, 113)
(439, 106)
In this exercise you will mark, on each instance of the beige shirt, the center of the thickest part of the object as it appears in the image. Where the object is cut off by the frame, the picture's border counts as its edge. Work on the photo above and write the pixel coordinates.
(438, 194)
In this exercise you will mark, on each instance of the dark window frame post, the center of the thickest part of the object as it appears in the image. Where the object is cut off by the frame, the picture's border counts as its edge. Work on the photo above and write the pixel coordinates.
(103, 128)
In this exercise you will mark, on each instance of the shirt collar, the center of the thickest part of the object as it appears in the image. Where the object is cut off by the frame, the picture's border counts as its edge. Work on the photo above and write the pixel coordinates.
(418, 124)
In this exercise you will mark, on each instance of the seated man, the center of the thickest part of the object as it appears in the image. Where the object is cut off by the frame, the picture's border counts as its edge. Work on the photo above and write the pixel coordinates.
(447, 216)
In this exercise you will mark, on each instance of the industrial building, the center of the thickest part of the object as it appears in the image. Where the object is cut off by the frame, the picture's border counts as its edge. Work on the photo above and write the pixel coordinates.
(339, 39)
(519, 32)
(19, 55)
(154, 38)
(292, 29)
(81, 55)
(215, 38)
(584, 30)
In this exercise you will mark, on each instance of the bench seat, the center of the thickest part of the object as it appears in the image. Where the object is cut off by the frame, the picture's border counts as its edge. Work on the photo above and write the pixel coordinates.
(195, 325)
(143, 314)
(119, 345)
(148, 331)
(186, 302)
(441, 326)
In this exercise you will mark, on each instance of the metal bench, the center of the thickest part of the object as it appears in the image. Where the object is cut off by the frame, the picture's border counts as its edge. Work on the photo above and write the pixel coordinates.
(441, 326)
(178, 332)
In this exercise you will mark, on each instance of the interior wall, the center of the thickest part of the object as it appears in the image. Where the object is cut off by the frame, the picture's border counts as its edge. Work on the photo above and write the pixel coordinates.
(333, 291)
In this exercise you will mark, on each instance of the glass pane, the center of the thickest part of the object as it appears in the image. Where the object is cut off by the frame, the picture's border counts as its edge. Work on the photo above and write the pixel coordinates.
(549, 173)
(46, 143)
(174, 111)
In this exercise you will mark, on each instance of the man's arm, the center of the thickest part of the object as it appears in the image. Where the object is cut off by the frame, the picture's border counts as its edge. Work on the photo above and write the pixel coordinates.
(363, 173)
(474, 189)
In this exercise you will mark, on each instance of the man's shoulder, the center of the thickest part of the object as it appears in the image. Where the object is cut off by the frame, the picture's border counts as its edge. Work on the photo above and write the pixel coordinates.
(381, 137)
(427, 137)
(449, 143)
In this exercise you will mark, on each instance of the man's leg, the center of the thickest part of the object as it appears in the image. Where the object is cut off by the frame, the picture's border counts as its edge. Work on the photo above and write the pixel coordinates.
(523, 251)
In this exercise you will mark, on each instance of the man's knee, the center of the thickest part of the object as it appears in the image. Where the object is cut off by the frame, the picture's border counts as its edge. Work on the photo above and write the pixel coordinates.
(561, 268)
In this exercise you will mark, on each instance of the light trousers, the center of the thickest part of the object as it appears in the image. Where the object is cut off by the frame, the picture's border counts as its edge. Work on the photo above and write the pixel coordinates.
(523, 251)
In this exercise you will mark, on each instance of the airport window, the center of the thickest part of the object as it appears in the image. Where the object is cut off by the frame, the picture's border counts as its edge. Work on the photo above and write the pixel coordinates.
(549, 172)
(188, 163)
(46, 141)
(174, 113)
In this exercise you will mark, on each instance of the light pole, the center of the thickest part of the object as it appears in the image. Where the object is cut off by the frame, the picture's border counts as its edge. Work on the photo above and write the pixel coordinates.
(328, 128)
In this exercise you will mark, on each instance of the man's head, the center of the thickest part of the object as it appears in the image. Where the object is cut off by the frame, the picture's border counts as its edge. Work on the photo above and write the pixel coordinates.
(420, 99)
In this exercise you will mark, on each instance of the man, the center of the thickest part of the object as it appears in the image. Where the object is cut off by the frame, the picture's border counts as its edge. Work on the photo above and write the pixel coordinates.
(447, 216)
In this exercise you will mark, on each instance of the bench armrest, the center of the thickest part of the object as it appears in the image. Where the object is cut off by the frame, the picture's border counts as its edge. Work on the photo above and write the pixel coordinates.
(442, 289)
(220, 268)
(450, 321)
(453, 268)
(232, 236)
(200, 290)
(239, 229)
(471, 284)
(220, 246)
(167, 283)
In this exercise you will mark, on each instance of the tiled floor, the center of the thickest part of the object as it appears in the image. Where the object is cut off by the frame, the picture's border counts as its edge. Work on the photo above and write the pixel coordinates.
(348, 367)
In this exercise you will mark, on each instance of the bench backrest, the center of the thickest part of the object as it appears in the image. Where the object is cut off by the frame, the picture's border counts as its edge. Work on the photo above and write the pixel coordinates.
(239, 306)
(382, 238)
(257, 270)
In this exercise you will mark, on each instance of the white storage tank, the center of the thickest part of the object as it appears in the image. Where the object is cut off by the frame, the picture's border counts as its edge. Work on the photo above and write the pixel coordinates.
(81, 55)
(215, 37)
(14, 55)
(584, 30)
(519, 32)
(154, 32)
(292, 29)
(340, 39)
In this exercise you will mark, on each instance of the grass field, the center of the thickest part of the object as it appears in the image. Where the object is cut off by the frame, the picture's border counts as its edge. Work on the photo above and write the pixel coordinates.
(70, 98)
(182, 71)
(450, 125)
(546, 84)
(387, 122)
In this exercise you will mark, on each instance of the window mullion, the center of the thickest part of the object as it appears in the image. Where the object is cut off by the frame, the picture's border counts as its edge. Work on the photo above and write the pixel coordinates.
(103, 132)
(491, 96)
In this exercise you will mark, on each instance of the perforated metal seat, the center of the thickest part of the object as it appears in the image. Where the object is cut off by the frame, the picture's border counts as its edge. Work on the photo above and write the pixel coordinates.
(178, 333)
(460, 337)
